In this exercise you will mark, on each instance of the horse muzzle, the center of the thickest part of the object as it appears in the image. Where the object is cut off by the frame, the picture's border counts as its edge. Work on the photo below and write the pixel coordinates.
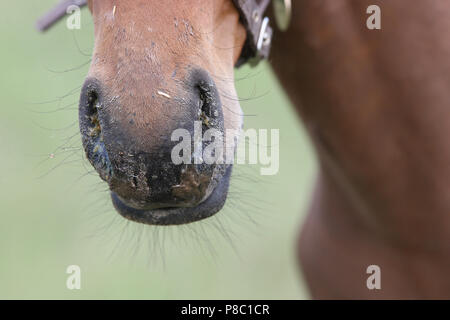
(136, 161)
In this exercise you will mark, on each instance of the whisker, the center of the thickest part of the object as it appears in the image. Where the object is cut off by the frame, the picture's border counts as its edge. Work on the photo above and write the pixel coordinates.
(57, 129)
(76, 90)
(70, 69)
(78, 45)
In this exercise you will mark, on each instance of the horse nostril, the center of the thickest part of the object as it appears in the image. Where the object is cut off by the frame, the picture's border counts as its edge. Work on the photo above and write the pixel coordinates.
(91, 128)
(92, 113)
(208, 108)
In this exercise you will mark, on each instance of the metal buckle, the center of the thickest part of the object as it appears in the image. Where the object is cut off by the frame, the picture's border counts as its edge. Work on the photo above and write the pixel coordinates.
(264, 37)
(264, 40)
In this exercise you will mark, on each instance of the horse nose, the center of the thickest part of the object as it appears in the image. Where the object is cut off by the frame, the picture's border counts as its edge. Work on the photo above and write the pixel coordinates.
(143, 176)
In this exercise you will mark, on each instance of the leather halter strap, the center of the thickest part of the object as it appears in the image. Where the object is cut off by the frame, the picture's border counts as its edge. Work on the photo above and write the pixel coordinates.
(259, 32)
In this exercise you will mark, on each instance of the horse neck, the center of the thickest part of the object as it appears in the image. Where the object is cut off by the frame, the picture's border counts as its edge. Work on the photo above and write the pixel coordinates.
(375, 105)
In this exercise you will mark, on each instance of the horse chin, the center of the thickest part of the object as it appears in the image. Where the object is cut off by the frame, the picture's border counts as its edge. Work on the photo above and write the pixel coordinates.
(177, 215)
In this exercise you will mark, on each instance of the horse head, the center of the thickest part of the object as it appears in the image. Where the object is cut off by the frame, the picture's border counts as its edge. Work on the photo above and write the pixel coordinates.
(159, 66)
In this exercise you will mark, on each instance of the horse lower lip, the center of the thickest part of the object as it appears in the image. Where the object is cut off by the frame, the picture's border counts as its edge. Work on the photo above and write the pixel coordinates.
(177, 215)
(149, 206)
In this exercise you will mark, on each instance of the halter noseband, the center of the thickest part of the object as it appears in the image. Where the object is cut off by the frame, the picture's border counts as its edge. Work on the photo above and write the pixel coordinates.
(259, 33)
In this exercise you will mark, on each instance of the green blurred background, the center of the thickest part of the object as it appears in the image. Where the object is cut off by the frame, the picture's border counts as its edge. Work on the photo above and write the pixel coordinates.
(56, 212)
